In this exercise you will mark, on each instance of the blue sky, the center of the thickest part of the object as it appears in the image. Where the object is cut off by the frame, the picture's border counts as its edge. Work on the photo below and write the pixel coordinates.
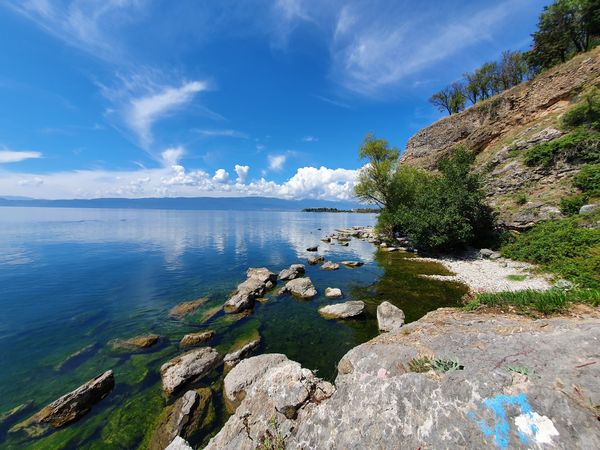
(134, 98)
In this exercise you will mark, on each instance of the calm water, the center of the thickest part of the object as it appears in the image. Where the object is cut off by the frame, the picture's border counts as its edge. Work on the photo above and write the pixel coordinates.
(77, 278)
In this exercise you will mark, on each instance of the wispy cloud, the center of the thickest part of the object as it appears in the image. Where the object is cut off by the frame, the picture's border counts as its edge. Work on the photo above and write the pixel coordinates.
(222, 133)
(310, 139)
(276, 162)
(333, 102)
(12, 156)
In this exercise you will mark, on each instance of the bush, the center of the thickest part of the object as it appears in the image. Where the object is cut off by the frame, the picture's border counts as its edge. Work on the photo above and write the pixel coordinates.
(520, 198)
(570, 206)
(586, 112)
(581, 144)
(588, 179)
(568, 247)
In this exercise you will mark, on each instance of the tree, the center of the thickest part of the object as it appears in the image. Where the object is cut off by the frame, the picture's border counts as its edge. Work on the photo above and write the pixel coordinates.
(512, 70)
(451, 99)
(375, 178)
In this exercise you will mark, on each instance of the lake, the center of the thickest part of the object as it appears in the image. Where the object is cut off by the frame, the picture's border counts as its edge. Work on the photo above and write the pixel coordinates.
(76, 279)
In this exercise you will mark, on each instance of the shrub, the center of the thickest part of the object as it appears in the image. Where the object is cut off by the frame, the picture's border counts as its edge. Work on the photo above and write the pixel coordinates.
(585, 112)
(546, 302)
(567, 247)
(520, 198)
(581, 144)
(588, 179)
(571, 205)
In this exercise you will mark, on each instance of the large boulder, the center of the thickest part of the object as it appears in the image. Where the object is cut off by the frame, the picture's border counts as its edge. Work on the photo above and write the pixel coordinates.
(258, 282)
(390, 318)
(188, 367)
(333, 292)
(192, 414)
(68, 408)
(300, 287)
(263, 275)
(344, 310)
(294, 271)
(179, 444)
(273, 392)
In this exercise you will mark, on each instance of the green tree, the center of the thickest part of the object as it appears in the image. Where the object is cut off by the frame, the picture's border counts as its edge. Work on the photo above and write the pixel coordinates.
(375, 178)
(451, 99)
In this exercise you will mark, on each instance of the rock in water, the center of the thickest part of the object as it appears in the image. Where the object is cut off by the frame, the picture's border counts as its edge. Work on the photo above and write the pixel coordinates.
(273, 392)
(263, 275)
(300, 287)
(190, 416)
(329, 265)
(314, 260)
(294, 271)
(69, 407)
(185, 308)
(138, 342)
(179, 444)
(333, 292)
(390, 318)
(352, 264)
(232, 358)
(344, 310)
(258, 282)
(191, 339)
(313, 249)
(188, 367)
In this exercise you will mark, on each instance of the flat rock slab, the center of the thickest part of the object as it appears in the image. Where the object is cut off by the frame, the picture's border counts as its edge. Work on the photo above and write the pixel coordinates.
(390, 318)
(137, 342)
(188, 367)
(333, 292)
(192, 339)
(183, 309)
(232, 358)
(68, 408)
(344, 310)
(330, 265)
(294, 271)
(300, 287)
(352, 264)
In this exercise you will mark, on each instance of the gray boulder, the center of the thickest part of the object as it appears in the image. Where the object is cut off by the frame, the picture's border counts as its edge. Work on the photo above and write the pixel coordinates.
(330, 265)
(294, 271)
(314, 260)
(258, 282)
(486, 253)
(179, 444)
(300, 287)
(333, 292)
(352, 264)
(188, 367)
(344, 310)
(390, 318)
(232, 358)
(263, 275)
(588, 209)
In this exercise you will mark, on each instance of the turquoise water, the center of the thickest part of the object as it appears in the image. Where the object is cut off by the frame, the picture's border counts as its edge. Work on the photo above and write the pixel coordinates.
(78, 278)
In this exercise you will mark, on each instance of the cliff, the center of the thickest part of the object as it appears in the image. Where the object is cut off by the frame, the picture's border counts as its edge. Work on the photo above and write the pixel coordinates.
(500, 129)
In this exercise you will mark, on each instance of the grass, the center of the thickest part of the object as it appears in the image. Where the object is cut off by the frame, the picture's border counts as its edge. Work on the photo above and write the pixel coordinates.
(568, 247)
(272, 439)
(548, 302)
(520, 369)
(516, 277)
(425, 364)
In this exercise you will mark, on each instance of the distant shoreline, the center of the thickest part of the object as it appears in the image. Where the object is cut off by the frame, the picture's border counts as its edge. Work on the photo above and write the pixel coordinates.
(335, 210)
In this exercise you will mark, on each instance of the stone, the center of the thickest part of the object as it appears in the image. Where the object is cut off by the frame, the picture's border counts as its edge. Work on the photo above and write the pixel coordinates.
(179, 444)
(327, 240)
(258, 281)
(314, 260)
(313, 248)
(188, 417)
(294, 271)
(300, 287)
(352, 264)
(344, 310)
(330, 265)
(138, 342)
(390, 318)
(192, 339)
(272, 392)
(183, 309)
(234, 357)
(333, 292)
(344, 244)
(486, 253)
(68, 408)
(262, 274)
(564, 285)
(588, 209)
(188, 367)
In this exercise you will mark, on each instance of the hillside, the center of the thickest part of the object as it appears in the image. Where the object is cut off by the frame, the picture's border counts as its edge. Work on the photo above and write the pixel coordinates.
(501, 129)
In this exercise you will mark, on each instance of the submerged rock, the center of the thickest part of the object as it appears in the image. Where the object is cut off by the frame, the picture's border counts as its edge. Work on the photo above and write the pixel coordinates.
(233, 358)
(333, 292)
(330, 265)
(344, 310)
(68, 408)
(272, 392)
(192, 339)
(188, 367)
(352, 264)
(390, 318)
(314, 260)
(190, 415)
(77, 358)
(294, 271)
(138, 342)
(300, 287)
(11, 416)
(185, 308)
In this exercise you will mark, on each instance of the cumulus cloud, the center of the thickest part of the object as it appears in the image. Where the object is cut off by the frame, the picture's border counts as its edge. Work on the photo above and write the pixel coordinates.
(171, 156)
(221, 176)
(242, 173)
(276, 162)
(12, 156)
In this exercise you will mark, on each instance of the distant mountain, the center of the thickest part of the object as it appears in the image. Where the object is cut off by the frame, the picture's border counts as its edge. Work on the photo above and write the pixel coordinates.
(184, 203)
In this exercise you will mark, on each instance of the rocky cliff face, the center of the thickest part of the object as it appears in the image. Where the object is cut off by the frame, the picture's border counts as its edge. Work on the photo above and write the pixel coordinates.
(502, 128)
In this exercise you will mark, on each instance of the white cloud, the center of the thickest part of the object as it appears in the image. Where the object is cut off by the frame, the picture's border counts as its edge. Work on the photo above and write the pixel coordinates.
(276, 162)
(221, 176)
(223, 133)
(171, 156)
(310, 139)
(142, 112)
(11, 156)
(242, 173)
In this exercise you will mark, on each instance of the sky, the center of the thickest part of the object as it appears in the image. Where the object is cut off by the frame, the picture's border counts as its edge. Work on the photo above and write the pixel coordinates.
(135, 98)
